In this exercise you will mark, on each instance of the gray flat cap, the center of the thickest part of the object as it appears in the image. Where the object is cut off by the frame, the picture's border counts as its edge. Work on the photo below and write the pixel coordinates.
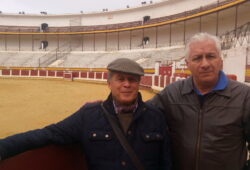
(125, 65)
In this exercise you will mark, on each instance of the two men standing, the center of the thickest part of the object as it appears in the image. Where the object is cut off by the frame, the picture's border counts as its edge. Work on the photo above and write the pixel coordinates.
(207, 115)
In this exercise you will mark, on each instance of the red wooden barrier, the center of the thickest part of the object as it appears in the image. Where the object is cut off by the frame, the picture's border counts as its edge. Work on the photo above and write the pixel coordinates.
(156, 81)
(5, 72)
(232, 76)
(105, 75)
(83, 74)
(15, 72)
(98, 75)
(75, 74)
(59, 73)
(24, 72)
(42, 72)
(91, 75)
(34, 73)
(51, 73)
(47, 158)
(146, 81)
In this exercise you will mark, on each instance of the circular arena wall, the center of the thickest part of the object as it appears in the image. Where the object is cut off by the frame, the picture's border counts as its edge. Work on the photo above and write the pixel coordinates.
(154, 10)
(161, 38)
(169, 28)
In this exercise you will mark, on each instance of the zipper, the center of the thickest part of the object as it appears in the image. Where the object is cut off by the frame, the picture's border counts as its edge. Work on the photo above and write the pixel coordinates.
(197, 159)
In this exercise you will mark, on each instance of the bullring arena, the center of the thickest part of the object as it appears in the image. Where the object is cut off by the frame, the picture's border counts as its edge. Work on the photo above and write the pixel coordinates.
(29, 104)
(50, 65)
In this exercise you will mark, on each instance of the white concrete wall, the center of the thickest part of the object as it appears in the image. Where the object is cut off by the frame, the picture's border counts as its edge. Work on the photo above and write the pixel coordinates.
(124, 41)
(52, 42)
(155, 10)
(88, 42)
(112, 41)
(2, 42)
(100, 42)
(163, 36)
(150, 32)
(234, 62)
(109, 41)
(26, 43)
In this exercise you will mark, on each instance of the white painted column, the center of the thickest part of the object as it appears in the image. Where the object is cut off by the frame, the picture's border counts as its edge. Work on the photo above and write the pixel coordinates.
(153, 80)
(173, 71)
(159, 81)
(165, 78)
(102, 75)
(157, 67)
(94, 75)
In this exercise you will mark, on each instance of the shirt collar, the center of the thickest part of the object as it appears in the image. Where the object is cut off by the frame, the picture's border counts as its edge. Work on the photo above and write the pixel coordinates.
(125, 109)
(220, 85)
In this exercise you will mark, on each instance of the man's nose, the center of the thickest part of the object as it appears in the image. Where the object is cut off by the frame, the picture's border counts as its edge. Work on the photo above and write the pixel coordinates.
(204, 62)
(126, 83)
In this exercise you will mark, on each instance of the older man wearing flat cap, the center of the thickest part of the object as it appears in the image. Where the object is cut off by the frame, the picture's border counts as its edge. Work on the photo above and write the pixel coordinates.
(142, 126)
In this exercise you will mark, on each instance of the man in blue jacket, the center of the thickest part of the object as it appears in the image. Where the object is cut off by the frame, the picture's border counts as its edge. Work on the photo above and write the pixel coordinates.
(143, 125)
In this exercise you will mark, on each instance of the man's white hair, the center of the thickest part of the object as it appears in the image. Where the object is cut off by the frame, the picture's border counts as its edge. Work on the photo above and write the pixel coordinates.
(199, 37)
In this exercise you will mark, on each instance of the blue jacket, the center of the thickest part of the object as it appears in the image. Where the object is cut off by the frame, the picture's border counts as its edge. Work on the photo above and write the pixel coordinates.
(147, 135)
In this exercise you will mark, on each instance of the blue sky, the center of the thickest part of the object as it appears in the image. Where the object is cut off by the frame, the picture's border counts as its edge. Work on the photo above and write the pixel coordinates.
(65, 6)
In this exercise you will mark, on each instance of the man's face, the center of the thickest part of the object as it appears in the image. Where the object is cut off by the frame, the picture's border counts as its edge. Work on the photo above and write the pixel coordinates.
(204, 62)
(124, 87)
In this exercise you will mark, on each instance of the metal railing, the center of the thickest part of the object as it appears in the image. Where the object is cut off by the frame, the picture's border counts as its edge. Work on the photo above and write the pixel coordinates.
(238, 36)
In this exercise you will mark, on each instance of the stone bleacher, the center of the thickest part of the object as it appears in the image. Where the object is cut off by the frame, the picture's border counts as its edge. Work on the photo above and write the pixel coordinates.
(146, 57)
(20, 59)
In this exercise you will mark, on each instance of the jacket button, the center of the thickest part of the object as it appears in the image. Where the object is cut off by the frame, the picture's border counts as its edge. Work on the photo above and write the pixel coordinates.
(107, 136)
(123, 163)
(94, 134)
(129, 132)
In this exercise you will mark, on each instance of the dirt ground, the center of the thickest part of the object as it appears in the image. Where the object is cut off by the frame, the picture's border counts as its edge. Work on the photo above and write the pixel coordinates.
(27, 104)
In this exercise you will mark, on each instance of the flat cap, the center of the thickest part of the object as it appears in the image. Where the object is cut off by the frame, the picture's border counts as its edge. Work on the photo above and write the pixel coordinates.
(125, 65)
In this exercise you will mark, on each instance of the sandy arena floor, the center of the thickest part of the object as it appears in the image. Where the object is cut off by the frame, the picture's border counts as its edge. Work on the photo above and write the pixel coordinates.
(27, 104)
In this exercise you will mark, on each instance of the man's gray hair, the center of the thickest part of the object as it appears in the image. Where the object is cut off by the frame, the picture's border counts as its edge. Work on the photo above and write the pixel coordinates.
(202, 37)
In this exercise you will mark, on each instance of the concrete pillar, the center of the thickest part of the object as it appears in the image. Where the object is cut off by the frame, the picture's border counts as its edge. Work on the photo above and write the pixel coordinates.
(173, 71)
(157, 67)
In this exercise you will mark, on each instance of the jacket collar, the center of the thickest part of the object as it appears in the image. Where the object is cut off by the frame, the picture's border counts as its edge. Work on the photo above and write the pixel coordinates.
(227, 92)
(189, 88)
